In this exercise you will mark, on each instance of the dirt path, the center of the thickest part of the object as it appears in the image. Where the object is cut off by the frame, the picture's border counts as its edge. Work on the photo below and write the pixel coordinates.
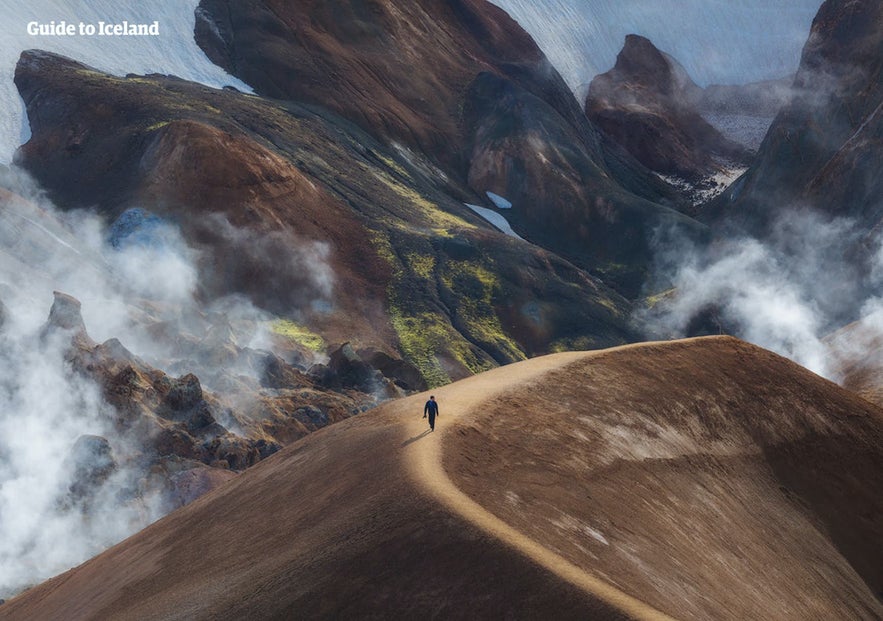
(423, 455)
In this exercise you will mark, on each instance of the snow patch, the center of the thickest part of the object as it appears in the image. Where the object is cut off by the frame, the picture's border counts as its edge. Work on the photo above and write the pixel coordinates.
(173, 52)
(496, 219)
(706, 189)
(499, 201)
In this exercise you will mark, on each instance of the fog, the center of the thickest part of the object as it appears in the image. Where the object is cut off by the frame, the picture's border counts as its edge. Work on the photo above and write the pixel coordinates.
(786, 293)
(131, 280)
(717, 42)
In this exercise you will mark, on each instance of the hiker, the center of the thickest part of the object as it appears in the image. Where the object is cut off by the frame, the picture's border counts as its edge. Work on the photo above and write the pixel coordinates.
(431, 408)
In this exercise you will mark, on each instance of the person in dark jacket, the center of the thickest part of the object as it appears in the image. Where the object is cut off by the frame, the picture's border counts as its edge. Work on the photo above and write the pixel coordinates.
(431, 408)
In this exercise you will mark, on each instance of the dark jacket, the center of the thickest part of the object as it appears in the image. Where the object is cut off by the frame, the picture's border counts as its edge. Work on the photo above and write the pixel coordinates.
(431, 407)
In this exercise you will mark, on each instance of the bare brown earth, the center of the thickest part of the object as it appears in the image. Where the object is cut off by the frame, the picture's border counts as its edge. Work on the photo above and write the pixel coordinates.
(726, 482)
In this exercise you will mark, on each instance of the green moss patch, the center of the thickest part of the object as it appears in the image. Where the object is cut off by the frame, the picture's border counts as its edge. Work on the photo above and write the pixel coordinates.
(298, 333)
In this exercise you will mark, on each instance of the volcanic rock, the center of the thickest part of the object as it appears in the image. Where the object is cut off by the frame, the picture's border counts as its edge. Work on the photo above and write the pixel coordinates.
(91, 462)
(702, 479)
(464, 88)
(65, 317)
(648, 104)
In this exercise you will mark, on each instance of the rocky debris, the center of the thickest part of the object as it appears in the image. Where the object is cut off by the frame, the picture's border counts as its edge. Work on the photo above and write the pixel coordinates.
(312, 416)
(169, 419)
(188, 485)
(279, 374)
(346, 370)
(648, 104)
(184, 402)
(352, 371)
(404, 374)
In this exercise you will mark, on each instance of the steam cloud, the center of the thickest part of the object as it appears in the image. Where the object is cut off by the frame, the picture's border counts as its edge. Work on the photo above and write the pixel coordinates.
(787, 293)
(52, 419)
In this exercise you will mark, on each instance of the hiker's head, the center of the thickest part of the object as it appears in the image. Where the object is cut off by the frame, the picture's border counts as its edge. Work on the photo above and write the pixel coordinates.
(432, 397)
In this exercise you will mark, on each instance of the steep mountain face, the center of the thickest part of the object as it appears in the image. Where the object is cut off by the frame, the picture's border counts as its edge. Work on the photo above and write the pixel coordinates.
(701, 479)
(648, 104)
(466, 89)
(824, 149)
(311, 217)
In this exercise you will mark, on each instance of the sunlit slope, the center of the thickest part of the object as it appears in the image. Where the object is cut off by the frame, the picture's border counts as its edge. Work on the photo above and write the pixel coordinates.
(698, 479)
(715, 479)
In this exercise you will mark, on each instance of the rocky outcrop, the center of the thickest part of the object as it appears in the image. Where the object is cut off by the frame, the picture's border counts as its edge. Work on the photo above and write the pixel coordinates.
(91, 462)
(648, 104)
(172, 426)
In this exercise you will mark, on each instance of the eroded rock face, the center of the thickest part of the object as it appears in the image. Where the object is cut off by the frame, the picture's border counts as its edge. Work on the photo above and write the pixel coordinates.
(171, 425)
(464, 86)
(648, 104)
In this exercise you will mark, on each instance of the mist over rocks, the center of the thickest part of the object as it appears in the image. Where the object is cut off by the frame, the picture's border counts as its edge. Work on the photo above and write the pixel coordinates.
(341, 242)
(822, 151)
(465, 88)
(256, 267)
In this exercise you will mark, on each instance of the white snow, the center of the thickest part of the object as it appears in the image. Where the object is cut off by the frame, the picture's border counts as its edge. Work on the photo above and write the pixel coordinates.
(494, 218)
(173, 52)
(499, 201)
(717, 41)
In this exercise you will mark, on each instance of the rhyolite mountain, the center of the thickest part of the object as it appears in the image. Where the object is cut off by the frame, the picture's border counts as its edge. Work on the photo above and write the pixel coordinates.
(648, 104)
(823, 152)
(335, 197)
(462, 86)
(274, 192)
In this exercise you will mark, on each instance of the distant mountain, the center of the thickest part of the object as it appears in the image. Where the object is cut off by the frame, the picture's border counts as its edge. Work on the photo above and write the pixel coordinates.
(648, 104)
(701, 479)
(310, 217)
(718, 42)
(465, 89)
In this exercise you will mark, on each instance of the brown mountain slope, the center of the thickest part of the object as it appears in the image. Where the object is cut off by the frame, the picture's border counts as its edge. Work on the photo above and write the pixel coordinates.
(708, 477)
(311, 218)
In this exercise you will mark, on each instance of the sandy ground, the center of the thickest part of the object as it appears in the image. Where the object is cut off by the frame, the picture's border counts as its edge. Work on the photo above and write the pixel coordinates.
(463, 400)
(742, 506)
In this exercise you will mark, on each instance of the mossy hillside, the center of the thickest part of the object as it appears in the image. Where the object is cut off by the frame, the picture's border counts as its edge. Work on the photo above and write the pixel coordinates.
(428, 334)
(473, 287)
(299, 334)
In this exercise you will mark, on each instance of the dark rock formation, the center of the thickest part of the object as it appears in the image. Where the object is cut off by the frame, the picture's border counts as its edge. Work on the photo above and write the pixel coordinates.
(188, 485)
(825, 149)
(91, 463)
(65, 317)
(648, 104)
(463, 86)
